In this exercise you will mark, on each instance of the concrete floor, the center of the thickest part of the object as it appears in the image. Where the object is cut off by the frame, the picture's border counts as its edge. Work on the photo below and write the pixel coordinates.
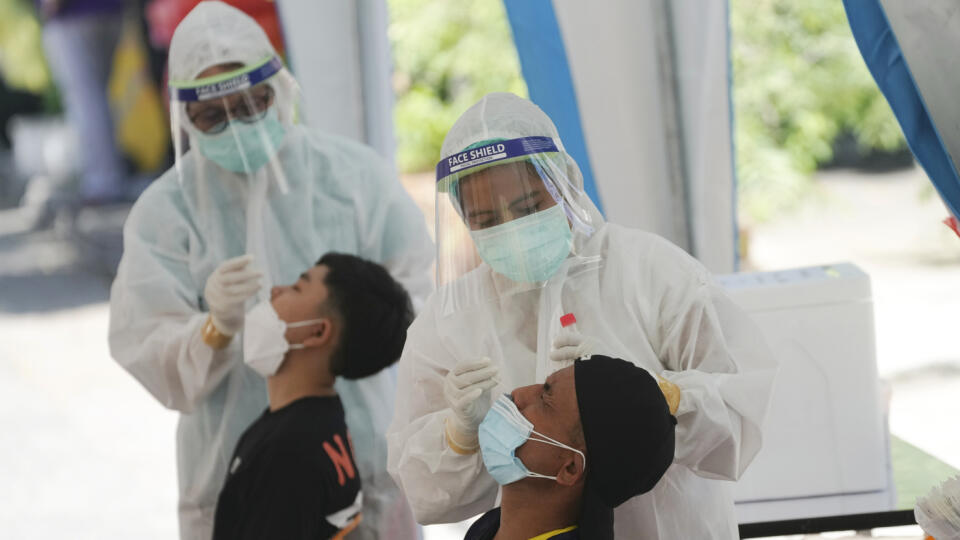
(88, 454)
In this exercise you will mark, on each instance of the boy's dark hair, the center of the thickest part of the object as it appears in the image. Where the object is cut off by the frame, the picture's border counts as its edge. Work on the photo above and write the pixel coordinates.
(374, 312)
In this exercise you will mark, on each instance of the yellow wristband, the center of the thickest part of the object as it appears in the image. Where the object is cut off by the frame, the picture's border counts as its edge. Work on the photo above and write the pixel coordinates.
(214, 337)
(454, 446)
(671, 393)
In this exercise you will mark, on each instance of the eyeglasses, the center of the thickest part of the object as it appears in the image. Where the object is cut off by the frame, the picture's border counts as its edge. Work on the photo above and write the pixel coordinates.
(213, 117)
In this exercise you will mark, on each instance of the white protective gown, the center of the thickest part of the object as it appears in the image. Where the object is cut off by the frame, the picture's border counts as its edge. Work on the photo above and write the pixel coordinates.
(342, 198)
(648, 302)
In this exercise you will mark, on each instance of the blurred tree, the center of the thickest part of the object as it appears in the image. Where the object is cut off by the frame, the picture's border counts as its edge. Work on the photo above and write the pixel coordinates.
(22, 62)
(447, 55)
(799, 82)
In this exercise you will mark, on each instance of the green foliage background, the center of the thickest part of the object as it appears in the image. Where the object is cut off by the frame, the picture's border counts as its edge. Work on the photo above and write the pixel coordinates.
(799, 82)
(447, 55)
(22, 63)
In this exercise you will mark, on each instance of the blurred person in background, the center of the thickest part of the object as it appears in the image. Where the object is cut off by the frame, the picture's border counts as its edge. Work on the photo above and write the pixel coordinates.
(255, 199)
(80, 37)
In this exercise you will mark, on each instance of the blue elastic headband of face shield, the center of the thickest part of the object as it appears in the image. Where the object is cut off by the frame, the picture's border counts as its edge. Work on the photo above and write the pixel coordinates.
(226, 83)
(491, 153)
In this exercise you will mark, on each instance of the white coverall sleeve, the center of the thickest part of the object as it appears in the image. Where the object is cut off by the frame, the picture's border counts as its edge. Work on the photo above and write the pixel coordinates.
(155, 315)
(723, 366)
(441, 485)
(396, 234)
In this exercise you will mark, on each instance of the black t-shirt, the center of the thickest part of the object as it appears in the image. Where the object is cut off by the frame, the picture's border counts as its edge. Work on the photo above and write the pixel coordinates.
(487, 526)
(292, 476)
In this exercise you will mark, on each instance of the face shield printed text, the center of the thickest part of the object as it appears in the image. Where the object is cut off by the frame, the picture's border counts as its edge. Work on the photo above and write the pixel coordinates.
(476, 156)
(493, 152)
(223, 88)
(227, 84)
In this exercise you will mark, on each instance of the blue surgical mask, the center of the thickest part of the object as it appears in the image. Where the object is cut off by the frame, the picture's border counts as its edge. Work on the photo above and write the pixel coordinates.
(527, 249)
(242, 147)
(504, 430)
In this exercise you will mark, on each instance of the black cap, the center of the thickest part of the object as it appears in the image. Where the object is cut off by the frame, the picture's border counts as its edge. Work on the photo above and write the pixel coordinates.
(596, 518)
(627, 428)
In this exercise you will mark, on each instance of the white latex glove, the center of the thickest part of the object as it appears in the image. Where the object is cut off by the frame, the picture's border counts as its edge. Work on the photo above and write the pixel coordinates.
(467, 389)
(570, 345)
(227, 290)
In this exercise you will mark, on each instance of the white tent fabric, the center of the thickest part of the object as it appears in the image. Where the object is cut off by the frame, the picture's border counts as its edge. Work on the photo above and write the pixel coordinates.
(928, 37)
(340, 54)
(654, 98)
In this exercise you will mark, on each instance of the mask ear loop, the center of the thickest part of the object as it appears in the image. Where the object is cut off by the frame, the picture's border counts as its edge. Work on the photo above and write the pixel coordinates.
(548, 440)
(532, 474)
(300, 324)
(508, 410)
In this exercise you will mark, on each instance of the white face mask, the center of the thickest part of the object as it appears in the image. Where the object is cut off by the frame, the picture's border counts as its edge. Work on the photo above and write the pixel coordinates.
(264, 338)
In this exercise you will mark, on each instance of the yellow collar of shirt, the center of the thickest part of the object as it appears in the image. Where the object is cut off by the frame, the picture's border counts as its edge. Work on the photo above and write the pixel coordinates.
(551, 534)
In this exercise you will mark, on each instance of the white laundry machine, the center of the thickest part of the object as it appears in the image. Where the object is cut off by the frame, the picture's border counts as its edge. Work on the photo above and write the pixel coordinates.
(825, 448)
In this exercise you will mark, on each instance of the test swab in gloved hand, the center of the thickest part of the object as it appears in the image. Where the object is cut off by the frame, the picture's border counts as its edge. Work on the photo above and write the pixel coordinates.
(570, 344)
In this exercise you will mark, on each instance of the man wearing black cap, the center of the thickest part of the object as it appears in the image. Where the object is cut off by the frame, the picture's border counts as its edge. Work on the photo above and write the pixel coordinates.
(568, 451)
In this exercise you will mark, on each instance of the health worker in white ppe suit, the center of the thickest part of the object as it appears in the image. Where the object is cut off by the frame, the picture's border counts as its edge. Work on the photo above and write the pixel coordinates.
(255, 200)
(520, 247)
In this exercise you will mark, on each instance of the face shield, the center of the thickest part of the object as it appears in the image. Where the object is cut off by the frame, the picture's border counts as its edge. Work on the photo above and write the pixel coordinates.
(234, 116)
(235, 143)
(510, 204)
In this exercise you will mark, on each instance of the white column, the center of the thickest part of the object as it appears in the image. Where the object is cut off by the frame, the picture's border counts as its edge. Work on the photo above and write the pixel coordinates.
(340, 54)
(658, 135)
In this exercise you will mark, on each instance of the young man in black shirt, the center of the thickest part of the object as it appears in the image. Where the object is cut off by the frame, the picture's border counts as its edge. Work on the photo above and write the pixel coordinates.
(293, 475)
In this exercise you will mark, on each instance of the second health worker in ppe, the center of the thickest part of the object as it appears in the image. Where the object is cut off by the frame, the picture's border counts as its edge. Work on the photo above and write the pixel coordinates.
(254, 200)
(521, 246)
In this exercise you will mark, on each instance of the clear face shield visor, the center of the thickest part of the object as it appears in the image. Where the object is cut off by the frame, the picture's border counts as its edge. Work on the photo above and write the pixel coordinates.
(235, 118)
(512, 205)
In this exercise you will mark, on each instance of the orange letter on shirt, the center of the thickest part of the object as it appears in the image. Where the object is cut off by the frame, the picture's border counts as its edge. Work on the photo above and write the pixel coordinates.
(340, 459)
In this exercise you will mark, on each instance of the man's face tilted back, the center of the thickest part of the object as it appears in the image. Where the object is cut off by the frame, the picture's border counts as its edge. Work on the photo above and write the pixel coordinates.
(552, 409)
(301, 301)
(602, 410)
(345, 317)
